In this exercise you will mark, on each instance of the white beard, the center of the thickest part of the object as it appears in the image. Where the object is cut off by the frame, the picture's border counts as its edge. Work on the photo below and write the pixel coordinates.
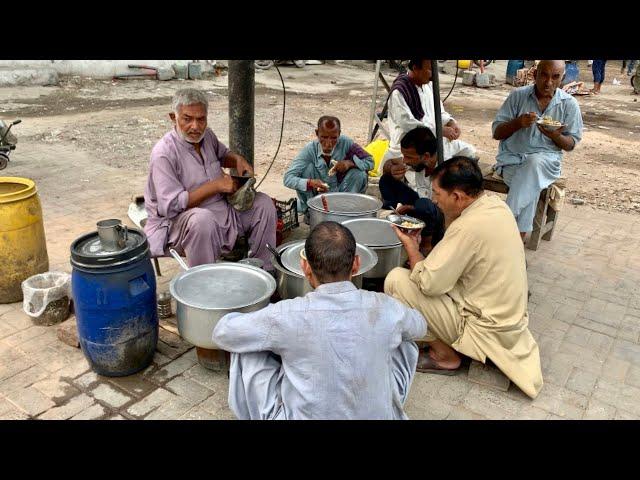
(187, 139)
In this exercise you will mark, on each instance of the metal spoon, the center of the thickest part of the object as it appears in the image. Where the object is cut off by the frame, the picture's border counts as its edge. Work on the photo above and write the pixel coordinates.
(275, 254)
(175, 255)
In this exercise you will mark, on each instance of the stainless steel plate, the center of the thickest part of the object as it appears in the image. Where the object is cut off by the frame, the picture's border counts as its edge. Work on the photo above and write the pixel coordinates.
(291, 257)
(398, 219)
(222, 286)
(373, 232)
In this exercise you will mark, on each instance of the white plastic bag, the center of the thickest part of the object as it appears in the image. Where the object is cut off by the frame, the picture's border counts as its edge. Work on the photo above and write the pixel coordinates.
(42, 289)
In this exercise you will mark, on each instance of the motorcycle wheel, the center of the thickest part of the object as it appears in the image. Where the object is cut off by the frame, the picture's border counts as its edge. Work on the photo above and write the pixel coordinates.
(300, 63)
(4, 160)
(263, 64)
(635, 83)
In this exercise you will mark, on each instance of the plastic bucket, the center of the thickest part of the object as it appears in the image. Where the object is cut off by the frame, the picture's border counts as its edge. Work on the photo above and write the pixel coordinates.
(23, 248)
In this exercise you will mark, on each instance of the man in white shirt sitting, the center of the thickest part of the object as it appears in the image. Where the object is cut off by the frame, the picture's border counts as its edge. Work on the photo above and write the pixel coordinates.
(411, 106)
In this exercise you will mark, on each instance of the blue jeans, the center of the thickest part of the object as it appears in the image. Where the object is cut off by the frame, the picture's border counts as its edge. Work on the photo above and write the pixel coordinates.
(598, 70)
(631, 65)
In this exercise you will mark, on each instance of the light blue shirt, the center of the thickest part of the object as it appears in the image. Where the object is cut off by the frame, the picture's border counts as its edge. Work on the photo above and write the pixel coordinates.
(297, 174)
(563, 107)
(336, 345)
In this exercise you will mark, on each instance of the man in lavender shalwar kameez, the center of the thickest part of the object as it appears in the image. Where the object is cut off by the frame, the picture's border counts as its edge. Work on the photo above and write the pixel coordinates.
(185, 196)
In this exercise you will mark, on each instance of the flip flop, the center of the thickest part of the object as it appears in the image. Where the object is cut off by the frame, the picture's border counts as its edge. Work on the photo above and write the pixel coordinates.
(427, 365)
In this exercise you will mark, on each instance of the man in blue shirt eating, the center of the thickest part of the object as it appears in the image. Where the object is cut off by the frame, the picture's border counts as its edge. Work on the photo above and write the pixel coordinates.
(530, 155)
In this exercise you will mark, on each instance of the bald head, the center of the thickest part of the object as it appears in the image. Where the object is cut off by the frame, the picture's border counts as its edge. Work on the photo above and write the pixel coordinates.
(549, 76)
(554, 64)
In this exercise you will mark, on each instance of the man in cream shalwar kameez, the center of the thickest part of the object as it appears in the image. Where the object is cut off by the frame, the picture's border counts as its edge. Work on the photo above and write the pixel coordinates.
(472, 288)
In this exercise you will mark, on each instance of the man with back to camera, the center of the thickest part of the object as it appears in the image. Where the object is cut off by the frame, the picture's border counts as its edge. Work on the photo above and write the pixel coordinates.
(336, 353)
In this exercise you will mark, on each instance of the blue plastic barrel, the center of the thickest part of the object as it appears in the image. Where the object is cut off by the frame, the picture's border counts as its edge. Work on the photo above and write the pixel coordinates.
(115, 304)
(512, 69)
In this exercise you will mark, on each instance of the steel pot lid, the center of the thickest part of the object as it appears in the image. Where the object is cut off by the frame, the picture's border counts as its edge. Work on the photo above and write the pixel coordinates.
(222, 286)
(291, 257)
(373, 232)
(342, 203)
(87, 250)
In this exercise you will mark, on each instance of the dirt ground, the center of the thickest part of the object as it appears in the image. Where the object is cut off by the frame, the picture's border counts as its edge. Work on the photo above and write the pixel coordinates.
(118, 122)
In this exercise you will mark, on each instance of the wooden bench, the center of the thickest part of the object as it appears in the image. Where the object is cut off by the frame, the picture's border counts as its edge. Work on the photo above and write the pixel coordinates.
(547, 211)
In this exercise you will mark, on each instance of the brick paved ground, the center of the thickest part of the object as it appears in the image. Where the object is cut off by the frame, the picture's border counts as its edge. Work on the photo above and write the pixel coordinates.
(585, 315)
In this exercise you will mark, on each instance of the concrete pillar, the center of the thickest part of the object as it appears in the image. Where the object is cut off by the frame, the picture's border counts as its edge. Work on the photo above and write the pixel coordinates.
(241, 108)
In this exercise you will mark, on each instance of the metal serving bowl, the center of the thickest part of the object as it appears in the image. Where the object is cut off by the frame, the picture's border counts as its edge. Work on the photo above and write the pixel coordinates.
(292, 283)
(342, 207)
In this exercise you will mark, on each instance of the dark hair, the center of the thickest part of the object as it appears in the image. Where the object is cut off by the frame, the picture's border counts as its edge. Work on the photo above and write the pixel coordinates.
(462, 173)
(416, 63)
(330, 249)
(422, 139)
(328, 119)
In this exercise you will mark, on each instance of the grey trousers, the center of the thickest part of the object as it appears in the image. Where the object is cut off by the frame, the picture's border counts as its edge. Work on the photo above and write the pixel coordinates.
(255, 381)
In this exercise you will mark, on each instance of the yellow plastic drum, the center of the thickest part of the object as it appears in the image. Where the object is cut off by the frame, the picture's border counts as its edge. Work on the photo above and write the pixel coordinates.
(23, 249)
(464, 64)
(376, 149)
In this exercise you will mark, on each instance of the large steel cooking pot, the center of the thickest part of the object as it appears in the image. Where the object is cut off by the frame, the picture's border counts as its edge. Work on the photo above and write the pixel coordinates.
(293, 284)
(342, 207)
(206, 293)
(377, 234)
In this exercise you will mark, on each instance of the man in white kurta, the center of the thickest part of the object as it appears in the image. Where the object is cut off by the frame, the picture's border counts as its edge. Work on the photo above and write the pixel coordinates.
(402, 119)
(472, 288)
(336, 353)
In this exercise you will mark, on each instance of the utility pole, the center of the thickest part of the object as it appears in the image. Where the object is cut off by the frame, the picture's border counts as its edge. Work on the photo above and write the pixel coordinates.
(242, 107)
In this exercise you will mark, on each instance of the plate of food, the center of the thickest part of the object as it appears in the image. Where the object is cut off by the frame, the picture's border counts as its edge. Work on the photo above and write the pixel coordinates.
(548, 123)
(405, 222)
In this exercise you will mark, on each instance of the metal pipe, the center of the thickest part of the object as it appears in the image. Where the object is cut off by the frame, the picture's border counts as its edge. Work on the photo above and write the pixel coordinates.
(435, 79)
(242, 107)
(374, 101)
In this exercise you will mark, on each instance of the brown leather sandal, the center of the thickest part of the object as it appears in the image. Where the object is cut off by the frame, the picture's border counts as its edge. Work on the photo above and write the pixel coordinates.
(427, 365)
